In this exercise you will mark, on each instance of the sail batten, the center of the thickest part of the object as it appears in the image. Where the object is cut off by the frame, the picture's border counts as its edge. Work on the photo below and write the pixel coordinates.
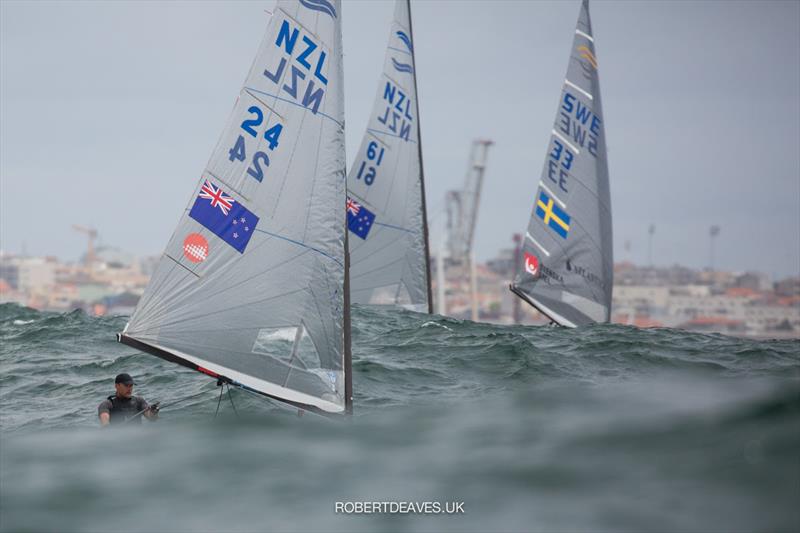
(386, 193)
(566, 266)
(251, 285)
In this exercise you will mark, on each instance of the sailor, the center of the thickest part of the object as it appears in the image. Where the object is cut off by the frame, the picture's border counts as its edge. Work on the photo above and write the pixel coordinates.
(122, 407)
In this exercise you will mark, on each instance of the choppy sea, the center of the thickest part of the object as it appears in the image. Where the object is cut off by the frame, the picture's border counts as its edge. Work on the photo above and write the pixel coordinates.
(601, 428)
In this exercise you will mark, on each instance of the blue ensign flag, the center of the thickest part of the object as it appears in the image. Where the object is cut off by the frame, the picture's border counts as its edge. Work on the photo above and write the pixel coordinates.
(359, 218)
(223, 216)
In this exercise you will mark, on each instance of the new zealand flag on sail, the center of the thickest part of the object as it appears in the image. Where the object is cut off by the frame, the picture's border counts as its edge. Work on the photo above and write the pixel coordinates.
(359, 218)
(225, 217)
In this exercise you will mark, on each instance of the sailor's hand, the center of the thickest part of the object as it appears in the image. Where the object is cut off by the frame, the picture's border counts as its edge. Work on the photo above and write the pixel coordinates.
(153, 409)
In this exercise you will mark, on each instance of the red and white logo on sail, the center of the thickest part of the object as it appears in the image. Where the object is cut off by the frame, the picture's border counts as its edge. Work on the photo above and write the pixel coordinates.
(195, 248)
(531, 264)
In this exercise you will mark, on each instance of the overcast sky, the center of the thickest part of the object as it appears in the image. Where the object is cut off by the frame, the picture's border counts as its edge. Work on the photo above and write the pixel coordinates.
(109, 112)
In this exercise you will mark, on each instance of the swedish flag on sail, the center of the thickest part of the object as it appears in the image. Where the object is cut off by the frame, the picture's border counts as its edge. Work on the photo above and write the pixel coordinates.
(552, 215)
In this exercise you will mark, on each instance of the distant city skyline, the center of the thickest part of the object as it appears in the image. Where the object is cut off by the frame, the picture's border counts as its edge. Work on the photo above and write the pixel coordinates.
(110, 110)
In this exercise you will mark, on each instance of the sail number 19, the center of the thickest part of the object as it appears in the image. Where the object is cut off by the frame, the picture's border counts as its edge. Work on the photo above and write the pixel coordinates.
(372, 154)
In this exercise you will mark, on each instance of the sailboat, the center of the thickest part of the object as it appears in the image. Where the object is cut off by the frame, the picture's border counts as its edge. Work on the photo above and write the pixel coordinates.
(252, 288)
(565, 269)
(385, 187)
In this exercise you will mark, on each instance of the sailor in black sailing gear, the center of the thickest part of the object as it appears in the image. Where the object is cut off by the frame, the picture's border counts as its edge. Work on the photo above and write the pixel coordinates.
(123, 406)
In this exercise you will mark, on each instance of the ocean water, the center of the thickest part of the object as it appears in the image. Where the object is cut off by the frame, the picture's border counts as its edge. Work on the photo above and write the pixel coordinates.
(603, 428)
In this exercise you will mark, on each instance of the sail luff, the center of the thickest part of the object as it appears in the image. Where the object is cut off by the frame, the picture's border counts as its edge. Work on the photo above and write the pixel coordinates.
(347, 356)
(421, 165)
(348, 352)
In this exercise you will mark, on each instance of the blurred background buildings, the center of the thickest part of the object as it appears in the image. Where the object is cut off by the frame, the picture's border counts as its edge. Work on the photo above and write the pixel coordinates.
(749, 304)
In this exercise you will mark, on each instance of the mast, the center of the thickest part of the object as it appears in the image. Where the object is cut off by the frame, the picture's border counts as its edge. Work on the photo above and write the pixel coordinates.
(441, 280)
(348, 353)
(517, 311)
(421, 166)
(473, 287)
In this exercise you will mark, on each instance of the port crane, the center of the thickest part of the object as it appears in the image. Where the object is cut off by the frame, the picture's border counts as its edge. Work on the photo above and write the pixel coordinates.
(461, 207)
(91, 233)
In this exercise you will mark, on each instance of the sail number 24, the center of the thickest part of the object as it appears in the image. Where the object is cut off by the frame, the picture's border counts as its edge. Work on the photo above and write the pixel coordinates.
(271, 135)
(372, 154)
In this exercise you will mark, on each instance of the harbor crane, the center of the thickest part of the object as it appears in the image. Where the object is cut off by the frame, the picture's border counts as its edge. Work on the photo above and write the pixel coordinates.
(462, 213)
(91, 233)
(462, 205)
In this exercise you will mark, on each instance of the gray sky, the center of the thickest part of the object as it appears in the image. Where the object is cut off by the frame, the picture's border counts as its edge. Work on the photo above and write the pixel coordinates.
(109, 112)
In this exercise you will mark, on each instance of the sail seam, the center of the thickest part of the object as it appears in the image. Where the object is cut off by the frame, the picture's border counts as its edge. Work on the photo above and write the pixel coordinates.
(330, 336)
(183, 266)
(303, 245)
(225, 183)
(177, 318)
(374, 254)
(320, 113)
(310, 197)
(574, 149)
(553, 196)
(147, 300)
(394, 227)
(384, 144)
(406, 52)
(296, 20)
(218, 311)
(265, 104)
(589, 96)
(595, 194)
(205, 279)
(393, 184)
(534, 241)
(371, 130)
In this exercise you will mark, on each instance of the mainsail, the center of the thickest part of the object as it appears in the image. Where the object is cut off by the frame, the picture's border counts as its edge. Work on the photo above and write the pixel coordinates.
(252, 286)
(566, 265)
(385, 187)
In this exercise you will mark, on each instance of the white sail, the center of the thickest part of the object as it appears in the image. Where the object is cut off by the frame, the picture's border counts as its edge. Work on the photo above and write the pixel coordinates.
(251, 286)
(386, 194)
(566, 269)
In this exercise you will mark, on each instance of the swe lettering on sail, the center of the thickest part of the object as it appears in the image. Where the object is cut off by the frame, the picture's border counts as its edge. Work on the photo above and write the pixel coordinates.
(304, 81)
(397, 116)
(577, 121)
